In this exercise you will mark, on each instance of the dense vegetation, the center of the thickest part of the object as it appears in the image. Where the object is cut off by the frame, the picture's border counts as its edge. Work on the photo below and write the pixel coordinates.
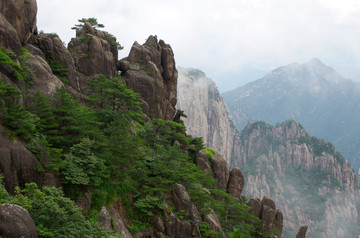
(105, 146)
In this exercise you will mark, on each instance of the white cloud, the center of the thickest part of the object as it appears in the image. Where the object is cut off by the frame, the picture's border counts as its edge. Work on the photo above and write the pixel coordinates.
(223, 37)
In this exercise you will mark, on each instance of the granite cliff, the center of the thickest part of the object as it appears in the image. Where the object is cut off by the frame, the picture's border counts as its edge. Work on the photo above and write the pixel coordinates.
(207, 114)
(309, 180)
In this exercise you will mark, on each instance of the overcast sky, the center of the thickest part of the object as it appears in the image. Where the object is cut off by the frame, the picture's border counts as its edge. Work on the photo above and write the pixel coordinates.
(232, 41)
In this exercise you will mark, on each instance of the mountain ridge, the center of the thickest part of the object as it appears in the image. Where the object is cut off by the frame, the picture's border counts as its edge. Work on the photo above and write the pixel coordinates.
(316, 96)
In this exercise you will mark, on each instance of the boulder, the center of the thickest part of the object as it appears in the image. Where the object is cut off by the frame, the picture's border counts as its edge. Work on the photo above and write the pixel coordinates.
(16, 222)
(268, 202)
(267, 217)
(44, 81)
(17, 163)
(8, 36)
(22, 15)
(202, 162)
(181, 198)
(255, 206)
(279, 222)
(236, 182)
(302, 232)
(150, 71)
(221, 171)
(212, 219)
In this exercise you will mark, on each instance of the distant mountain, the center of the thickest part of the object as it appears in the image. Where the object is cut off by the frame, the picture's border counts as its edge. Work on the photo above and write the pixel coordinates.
(309, 180)
(324, 102)
(207, 114)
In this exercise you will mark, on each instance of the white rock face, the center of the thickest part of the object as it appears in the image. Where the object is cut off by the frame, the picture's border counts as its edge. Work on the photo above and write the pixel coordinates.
(199, 98)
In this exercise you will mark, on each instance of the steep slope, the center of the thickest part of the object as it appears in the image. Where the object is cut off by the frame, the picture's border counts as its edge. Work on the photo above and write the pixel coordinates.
(311, 182)
(82, 155)
(207, 114)
(313, 94)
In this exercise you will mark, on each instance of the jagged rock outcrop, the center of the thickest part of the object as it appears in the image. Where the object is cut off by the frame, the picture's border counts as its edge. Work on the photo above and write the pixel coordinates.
(15, 222)
(310, 182)
(236, 182)
(94, 52)
(150, 71)
(207, 115)
(115, 218)
(21, 15)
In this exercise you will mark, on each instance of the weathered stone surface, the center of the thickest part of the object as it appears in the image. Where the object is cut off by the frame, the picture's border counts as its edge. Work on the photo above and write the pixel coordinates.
(202, 161)
(185, 229)
(267, 217)
(104, 219)
(236, 182)
(44, 80)
(268, 202)
(94, 52)
(8, 36)
(120, 219)
(208, 117)
(17, 163)
(22, 15)
(279, 222)
(181, 198)
(302, 232)
(171, 225)
(150, 71)
(214, 222)
(255, 205)
(16, 222)
(221, 171)
(53, 50)
(158, 224)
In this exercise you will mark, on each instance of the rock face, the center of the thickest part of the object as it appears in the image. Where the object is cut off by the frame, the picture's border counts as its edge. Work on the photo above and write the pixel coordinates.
(150, 71)
(44, 81)
(208, 118)
(8, 36)
(94, 52)
(283, 162)
(15, 222)
(302, 232)
(17, 163)
(310, 182)
(21, 15)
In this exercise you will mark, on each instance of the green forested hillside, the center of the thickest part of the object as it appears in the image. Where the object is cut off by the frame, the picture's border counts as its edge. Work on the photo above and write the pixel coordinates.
(104, 145)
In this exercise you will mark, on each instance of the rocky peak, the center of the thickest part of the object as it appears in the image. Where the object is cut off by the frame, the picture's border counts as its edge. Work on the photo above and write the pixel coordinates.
(150, 71)
(94, 52)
